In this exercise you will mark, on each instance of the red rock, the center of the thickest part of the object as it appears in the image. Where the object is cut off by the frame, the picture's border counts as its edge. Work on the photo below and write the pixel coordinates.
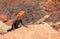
(3, 18)
(9, 22)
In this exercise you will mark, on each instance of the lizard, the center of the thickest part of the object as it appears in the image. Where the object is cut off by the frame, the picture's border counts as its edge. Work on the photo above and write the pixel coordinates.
(17, 20)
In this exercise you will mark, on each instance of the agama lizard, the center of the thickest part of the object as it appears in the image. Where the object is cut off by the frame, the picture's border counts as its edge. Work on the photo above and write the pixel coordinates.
(17, 20)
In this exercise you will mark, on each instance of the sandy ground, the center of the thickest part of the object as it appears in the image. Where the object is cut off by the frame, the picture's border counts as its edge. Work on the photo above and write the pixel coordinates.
(42, 31)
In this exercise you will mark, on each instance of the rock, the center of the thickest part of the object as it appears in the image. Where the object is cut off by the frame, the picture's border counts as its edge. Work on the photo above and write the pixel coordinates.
(9, 22)
(3, 18)
(42, 31)
(4, 28)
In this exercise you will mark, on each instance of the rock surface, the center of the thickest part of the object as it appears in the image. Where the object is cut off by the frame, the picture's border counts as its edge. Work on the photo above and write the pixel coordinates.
(42, 31)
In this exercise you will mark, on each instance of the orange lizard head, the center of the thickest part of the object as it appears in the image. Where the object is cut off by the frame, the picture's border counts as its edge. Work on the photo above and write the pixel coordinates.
(19, 15)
